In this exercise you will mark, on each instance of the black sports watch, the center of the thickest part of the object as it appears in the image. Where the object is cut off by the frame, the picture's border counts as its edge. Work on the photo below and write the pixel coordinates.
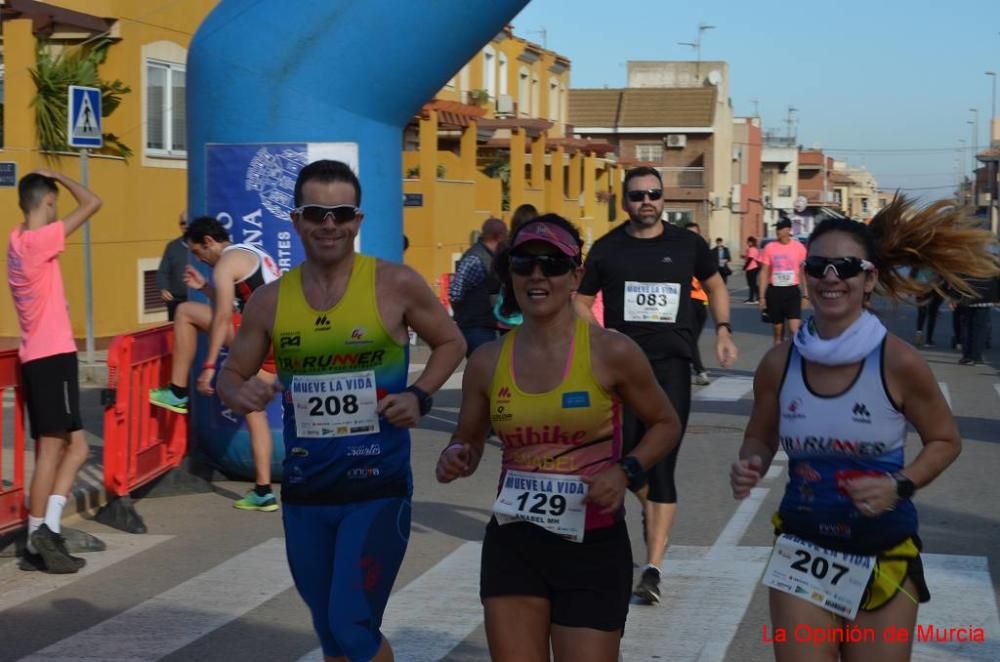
(904, 486)
(424, 401)
(634, 473)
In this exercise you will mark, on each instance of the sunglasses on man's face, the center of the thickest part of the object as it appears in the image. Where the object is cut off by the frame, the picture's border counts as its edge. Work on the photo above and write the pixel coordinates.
(639, 195)
(843, 267)
(551, 265)
(319, 213)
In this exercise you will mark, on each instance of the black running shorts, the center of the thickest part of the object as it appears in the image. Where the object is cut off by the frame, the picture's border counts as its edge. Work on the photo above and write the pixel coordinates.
(588, 584)
(783, 303)
(52, 391)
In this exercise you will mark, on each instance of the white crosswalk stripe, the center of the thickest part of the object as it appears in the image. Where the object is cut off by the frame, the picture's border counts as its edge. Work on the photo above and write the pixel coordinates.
(17, 586)
(175, 618)
(725, 389)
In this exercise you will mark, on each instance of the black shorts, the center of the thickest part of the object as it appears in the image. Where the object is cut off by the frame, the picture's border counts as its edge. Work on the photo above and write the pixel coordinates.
(588, 584)
(783, 303)
(52, 391)
(674, 376)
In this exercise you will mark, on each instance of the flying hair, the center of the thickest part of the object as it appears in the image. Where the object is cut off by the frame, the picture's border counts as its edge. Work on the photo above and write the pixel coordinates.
(940, 237)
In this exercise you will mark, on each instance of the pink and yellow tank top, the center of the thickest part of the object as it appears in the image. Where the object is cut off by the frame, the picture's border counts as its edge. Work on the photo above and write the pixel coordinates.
(573, 429)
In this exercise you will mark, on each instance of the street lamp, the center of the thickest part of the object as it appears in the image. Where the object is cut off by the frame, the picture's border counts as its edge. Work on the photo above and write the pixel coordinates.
(975, 137)
(993, 108)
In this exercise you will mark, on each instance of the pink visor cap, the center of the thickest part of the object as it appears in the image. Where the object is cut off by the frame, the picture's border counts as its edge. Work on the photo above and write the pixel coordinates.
(550, 234)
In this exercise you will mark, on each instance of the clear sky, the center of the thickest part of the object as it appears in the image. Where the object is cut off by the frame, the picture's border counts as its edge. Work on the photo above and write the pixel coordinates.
(865, 75)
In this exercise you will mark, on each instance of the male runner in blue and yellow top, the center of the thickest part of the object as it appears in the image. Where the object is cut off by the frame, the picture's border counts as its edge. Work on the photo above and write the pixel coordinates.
(338, 327)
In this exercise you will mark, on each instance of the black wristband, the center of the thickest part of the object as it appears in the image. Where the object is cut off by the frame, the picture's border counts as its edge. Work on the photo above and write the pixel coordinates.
(424, 401)
(724, 325)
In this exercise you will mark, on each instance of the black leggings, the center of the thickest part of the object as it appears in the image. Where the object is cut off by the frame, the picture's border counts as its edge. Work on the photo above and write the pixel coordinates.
(674, 376)
(700, 317)
(752, 284)
(928, 312)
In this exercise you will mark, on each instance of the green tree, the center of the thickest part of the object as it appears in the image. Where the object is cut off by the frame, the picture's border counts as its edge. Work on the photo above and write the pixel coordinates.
(53, 74)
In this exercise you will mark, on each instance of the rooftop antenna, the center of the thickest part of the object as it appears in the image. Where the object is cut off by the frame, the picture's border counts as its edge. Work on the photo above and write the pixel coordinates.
(545, 36)
(696, 45)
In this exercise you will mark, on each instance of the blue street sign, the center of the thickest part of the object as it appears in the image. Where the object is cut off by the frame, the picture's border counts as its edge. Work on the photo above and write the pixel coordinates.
(84, 117)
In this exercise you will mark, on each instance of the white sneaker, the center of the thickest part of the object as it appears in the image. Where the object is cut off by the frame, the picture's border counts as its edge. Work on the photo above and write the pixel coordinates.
(701, 379)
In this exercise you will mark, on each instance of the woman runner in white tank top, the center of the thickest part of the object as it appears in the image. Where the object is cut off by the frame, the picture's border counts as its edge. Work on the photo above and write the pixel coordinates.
(838, 399)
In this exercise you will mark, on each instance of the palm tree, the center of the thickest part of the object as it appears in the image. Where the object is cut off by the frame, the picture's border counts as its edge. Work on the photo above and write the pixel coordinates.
(54, 74)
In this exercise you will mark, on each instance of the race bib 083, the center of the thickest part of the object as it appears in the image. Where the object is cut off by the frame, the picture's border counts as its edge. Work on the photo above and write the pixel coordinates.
(651, 302)
(335, 405)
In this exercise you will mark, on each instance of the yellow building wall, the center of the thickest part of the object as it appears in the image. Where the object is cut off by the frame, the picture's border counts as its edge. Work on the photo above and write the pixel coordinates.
(141, 203)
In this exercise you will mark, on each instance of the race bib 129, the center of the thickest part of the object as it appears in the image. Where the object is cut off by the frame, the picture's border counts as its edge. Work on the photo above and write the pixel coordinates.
(551, 501)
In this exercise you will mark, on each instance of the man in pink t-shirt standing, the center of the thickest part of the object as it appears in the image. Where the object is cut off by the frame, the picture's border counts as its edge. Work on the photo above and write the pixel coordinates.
(48, 359)
(782, 281)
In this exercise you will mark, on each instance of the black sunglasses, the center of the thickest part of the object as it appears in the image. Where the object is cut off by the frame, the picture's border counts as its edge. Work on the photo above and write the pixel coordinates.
(551, 265)
(843, 267)
(639, 195)
(318, 213)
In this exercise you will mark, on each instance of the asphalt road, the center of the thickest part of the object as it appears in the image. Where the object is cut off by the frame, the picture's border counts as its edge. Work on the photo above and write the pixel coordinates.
(210, 583)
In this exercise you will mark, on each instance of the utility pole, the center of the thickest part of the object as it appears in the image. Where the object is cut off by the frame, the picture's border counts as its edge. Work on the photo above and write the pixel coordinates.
(756, 103)
(993, 108)
(696, 45)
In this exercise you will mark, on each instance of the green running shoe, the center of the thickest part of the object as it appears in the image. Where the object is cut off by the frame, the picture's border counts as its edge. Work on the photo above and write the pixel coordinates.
(253, 501)
(164, 397)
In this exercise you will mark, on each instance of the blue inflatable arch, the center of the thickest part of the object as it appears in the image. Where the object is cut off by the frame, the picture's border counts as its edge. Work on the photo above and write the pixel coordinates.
(275, 85)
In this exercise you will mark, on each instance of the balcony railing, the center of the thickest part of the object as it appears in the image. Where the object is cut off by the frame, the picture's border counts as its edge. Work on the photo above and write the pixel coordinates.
(683, 177)
(775, 140)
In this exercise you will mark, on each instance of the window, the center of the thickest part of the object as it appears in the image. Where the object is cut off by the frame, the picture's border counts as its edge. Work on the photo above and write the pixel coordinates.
(679, 217)
(490, 72)
(536, 111)
(649, 152)
(523, 92)
(502, 72)
(151, 307)
(166, 121)
(553, 99)
(784, 191)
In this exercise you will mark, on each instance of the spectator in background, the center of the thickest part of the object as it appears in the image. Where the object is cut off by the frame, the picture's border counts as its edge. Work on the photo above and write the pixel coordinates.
(170, 275)
(975, 319)
(751, 267)
(722, 259)
(47, 352)
(474, 288)
(522, 215)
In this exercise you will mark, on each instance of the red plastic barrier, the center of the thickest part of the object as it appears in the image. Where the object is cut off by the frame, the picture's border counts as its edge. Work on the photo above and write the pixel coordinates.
(141, 442)
(12, 488)
(444, 282)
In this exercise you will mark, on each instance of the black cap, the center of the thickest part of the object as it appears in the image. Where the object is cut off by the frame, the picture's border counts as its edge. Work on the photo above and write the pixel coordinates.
(783, 223)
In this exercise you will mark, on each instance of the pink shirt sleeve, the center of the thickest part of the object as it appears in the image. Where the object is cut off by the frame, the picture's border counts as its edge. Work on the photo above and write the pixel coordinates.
(46, 243)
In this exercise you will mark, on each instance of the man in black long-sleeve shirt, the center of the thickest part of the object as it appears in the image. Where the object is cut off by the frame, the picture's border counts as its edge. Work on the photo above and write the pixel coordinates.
(170, 275)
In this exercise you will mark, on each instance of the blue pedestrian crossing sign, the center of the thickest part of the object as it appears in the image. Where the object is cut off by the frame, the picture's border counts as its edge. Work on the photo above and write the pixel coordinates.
(84, 117)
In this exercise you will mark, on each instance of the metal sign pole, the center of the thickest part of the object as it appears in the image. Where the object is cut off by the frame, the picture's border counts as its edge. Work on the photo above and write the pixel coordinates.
(88, 291)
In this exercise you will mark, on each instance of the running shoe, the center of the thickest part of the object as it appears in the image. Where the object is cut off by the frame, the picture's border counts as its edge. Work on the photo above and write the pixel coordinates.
(648, 588)
(164, 397)
(919, 340)
(253, 501)
(701, 379)
(35, 563)
(52, 549)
